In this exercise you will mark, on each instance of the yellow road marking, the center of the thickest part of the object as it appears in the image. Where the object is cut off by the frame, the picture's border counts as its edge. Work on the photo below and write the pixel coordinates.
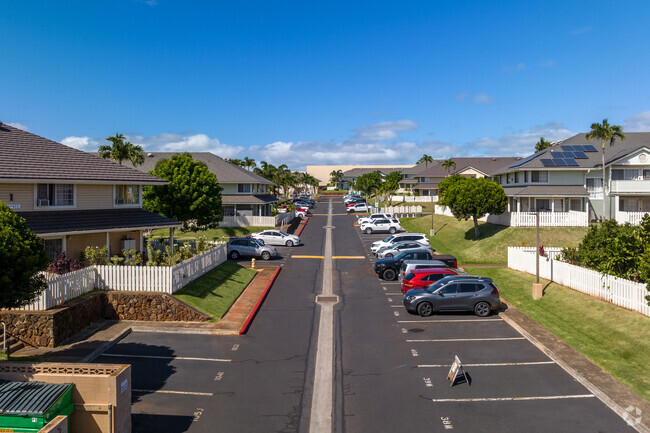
(308, 257)
(348, 257)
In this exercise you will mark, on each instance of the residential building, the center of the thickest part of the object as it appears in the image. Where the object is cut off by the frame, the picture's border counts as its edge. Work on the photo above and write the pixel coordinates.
(74, 199)
(245, 195)
(429, 178)
(566, 180)
(351, 176)
(322, 172)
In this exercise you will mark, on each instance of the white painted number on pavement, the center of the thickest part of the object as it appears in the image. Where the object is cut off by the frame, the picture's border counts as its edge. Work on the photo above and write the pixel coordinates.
(447, 423)
(427, 382)
(414, 352)
(197, 414)
(235, 347)
(396, 313)
(219, 376)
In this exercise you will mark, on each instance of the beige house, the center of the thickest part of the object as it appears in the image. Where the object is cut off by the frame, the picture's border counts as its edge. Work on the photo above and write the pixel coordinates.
(74, 199)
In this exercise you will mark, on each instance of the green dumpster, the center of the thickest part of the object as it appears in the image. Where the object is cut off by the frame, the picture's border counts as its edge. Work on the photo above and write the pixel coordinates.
(29, 406)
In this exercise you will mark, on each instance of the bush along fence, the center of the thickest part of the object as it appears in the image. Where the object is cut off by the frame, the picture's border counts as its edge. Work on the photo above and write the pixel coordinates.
(167, 279)
(619, 291)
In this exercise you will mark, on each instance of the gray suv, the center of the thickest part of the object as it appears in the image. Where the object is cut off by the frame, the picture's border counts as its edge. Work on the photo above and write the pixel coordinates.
(454, 293)
(249, 247)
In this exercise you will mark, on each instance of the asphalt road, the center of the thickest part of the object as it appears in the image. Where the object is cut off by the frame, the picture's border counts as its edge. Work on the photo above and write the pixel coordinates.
(390, 367)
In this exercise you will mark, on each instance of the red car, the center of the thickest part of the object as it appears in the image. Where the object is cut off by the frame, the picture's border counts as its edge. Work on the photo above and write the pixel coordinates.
(421, 278)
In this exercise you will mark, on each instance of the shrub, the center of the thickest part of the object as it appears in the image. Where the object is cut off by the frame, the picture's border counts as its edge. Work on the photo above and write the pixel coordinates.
(63, 265)
(96, 255)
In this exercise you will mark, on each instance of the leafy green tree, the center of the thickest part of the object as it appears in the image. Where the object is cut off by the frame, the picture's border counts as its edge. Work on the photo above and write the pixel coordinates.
(369, 183)
(22, 258)
(193, 194)
(542, 144)
(606, 133)
(426, 159)
(237, 162)
(474, 198)
(448, 165)
(445, 184)
(390, 185)
(121, 150)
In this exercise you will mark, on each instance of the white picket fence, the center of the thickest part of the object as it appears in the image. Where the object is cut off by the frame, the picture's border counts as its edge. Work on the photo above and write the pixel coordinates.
(414, 198)
(257, 221)
(633, 218)
(528, 219)
(401, 210)
(619, 291)
(165, 279)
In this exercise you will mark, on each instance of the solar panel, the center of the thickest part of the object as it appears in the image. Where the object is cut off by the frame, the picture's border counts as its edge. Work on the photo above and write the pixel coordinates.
(569, 148)
(589, 148)
(548, 162)
(557, 154)
(525, 160)
(571, 162)
(580, 155)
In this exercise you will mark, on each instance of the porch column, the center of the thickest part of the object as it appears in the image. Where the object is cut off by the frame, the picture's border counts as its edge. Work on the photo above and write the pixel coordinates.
(141, 240)
(552, 204)
(519, 204)
(108, 243)
(171, 239)
(64, 244)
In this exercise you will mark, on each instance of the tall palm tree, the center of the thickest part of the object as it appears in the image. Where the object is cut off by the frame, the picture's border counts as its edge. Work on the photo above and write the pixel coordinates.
(249, 163)
(121, 150)
(426, 159)
(269, 172)
(448, 165)
(336, 176)
(542, 144)
(605, 132)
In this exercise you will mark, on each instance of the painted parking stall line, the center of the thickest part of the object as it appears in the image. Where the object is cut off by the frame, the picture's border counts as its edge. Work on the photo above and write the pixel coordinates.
(451, 321)
(489, 399)
(444, 340)
(154, 391)
(496, 364)
(167, 358)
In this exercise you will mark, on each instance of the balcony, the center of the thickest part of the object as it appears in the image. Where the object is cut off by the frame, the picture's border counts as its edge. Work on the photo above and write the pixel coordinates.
(630, 186)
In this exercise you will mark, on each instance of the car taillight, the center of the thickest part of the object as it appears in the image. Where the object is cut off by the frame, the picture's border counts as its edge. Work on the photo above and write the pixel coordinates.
(494, 291)
(455, 263)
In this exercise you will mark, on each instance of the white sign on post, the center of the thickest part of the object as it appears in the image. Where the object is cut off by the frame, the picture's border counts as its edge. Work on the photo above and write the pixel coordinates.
(455, 371)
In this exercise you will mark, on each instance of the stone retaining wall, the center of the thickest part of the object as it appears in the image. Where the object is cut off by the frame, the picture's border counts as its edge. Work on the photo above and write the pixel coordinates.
(51, 327)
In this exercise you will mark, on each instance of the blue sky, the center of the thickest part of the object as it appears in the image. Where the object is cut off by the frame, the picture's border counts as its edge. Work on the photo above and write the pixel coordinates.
(336, 82)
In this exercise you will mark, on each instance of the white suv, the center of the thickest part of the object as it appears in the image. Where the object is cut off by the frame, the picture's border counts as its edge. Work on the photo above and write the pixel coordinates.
(381, 225)
(400, 237)
(374, 217)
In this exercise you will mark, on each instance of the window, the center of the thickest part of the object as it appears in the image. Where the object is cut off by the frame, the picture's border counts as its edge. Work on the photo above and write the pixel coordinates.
(468, 288)
(628, 205)
(229, 210)
(517, 177)
(127, 194)
(543, 204)
(646, 174)
(625, 174)
(244, 187)
(594, 187)
(575, 204)
(539, 176)
(54, 194)
(525, 177)
(449, 289)
(53, 247)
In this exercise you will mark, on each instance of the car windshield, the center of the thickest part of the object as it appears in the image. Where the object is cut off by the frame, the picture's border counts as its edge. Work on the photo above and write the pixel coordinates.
(258, 242)
(435, 286)
(389, 238)
(282, 233)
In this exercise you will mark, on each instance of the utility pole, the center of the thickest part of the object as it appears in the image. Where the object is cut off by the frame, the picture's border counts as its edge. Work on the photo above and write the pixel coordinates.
(537, 286)
(433, 210)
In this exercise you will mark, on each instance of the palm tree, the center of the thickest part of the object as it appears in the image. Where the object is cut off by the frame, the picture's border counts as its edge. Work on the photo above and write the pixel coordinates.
(122, 150)
(336, 176)
(448, 164)
(237, 162)
(542, 144)
(269, 172)
(426, 159)
(605, 132)
(249, 163)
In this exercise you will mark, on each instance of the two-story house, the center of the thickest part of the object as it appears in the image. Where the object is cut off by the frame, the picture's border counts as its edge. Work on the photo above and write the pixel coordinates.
(350, 176)
(74, 199)
(245, 197)
(565, 182)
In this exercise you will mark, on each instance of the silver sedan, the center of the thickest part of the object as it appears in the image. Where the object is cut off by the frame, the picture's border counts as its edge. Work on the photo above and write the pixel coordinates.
(400, 247)
(277, 237)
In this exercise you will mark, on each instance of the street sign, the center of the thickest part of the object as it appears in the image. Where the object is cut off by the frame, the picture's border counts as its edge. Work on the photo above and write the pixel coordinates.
(455, 371)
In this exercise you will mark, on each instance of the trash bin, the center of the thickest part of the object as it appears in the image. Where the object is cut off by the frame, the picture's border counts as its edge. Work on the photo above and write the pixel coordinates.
(29, 406)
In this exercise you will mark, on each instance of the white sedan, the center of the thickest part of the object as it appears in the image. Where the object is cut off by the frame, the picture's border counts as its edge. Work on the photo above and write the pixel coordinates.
(277, 237)
(359, 207)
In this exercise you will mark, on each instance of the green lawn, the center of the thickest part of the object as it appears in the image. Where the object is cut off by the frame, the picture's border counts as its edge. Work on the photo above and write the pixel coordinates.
(616, 339)
(210, 234)
(12, 358)
(457, 238)
(217, 290)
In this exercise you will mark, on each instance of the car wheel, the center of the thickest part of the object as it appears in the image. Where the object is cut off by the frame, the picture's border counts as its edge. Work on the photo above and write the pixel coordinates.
(482, 309)
(389, 255)
(392, 230)
(234, 255)
(289, 243)
(388, 274)
(368, 231)
(425, 309)
(266, 255)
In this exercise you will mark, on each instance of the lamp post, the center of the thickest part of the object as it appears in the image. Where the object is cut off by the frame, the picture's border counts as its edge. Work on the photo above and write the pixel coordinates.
(433, 210)
(537, 286)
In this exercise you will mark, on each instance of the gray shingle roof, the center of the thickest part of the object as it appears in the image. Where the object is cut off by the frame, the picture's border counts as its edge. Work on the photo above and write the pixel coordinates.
(485, 164)
(633, 142)
(26, 156)
(418, 168)
(71, 221)
(225, 171)
(247, 199)
(546, 190)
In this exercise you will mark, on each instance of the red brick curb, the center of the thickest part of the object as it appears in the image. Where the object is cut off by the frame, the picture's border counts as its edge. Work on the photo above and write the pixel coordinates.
(253, 313)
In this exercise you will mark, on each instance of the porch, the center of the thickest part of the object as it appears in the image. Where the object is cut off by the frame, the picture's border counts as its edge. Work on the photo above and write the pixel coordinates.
(631, 209)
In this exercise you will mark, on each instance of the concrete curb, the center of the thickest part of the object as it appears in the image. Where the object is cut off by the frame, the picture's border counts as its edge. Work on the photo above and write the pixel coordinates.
(104, 347)
(253, 313)
(303, 226)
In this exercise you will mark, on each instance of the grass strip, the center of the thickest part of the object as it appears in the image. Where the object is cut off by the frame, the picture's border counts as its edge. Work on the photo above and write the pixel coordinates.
(215, 292)
(219, 233)
(457, 238)
(615, 339)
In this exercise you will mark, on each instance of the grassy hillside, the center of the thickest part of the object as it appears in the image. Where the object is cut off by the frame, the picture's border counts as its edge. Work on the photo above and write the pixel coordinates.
(457, 238)
(220, 233)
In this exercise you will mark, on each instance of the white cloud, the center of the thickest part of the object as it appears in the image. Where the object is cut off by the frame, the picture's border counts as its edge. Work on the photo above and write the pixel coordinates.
(384, 130)
(638, 123)
(167, 142)
(581, 30)
(86, 144)
(522, 143)
(18, 125)
(483, 98)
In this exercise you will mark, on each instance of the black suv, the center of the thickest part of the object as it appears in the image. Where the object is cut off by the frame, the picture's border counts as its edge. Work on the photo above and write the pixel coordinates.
(388, 268)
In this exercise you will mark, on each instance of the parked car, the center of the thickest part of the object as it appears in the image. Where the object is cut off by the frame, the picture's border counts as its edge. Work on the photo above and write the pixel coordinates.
(400, 237)
(409, 265)
(454, 293)
(358, 207)
(302, 213)
(249, 247)
(375, 216)
(283, 209)
(387, 268)
(381, 225)
(400, 247)
(303, 203)
(350, 198)
(422, 278)
(277, 237)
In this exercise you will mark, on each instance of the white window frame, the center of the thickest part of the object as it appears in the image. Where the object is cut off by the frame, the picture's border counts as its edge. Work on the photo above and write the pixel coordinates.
(548, 176)
(123, 205)
(55, 207)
